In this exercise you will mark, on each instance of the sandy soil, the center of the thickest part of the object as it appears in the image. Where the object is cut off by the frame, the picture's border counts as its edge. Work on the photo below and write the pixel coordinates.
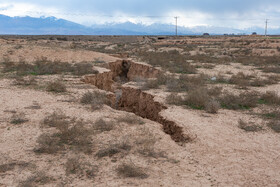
(221, 154)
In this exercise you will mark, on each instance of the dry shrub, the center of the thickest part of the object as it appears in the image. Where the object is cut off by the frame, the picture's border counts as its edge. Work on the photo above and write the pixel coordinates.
(161, 79)
(131, 171)
(172, 61)
(113, 149)
(72, 135)
(25, 81)
(77, 137)
(212, 106)
(102, 126)
(77, 167)
(275, 125)
(83, 68)
(185, 83)
(56, 119)
(245, 100)
(270, 97)
(258, 82)
(18, 119)
(95, 99)
(175, 99)
(146, 144)
(249, 127)
(12, 165)
(48, 143)
(40, 178)
(241, 80)
(42, 66)
(150, 84)
(131, 119)
(197, 98)
(56, 86)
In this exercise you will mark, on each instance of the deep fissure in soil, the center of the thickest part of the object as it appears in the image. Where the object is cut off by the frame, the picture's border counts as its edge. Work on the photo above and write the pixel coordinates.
(135, 100)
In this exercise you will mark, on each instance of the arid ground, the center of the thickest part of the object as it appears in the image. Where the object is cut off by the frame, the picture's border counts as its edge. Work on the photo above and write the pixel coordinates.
(139, 111)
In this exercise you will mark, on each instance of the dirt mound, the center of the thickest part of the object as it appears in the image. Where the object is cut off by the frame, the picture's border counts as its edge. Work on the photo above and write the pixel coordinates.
(135, 100)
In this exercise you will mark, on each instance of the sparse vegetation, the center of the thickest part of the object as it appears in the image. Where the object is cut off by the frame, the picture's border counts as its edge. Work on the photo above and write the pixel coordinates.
(43, 66)
(171, 60)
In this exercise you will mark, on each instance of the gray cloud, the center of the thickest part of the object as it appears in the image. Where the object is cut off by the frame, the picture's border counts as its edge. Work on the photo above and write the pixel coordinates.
(217, 10)
(158, 7)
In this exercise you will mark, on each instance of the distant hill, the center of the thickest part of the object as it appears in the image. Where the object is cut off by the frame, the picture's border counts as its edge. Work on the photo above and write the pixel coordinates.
(41, 26)
(53, 26)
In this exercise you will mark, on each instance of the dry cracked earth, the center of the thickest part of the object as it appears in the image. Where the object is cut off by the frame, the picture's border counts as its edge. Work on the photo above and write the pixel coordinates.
(139, 111)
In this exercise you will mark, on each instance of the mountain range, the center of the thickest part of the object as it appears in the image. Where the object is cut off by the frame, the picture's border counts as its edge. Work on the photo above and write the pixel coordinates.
(54, 26)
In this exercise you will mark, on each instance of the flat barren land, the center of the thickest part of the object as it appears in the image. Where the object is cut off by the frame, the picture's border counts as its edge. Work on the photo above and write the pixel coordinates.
(139, 111)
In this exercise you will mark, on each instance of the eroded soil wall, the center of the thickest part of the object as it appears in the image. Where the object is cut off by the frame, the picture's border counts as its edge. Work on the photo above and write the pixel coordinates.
(132, 99)
(144, 105)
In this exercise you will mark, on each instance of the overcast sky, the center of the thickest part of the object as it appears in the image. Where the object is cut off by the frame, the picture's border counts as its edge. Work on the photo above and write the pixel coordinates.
(231, 13)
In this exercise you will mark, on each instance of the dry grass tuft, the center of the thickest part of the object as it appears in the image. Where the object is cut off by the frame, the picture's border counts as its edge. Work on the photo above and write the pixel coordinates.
(131, 171)
(249, 127)
(56, 86)
(42, 66)
(113, 149)
(131, 119)
(77, 167)
(212, 106)
(245, 100)
(40, 178)
(71, 134)
(95, 99)
(11, 166)
(270, 97)
(275, 125)
(18, 119)
(102, 126)
(172, 61)
(25, 81)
